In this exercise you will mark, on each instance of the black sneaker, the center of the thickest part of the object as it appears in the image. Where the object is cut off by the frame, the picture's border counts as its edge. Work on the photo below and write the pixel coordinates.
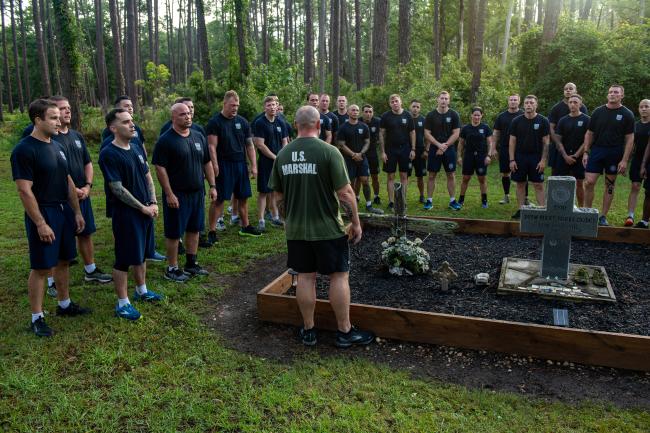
(422, 199)
(641, 225)
(516, 215)
(181, 248)
(195, 270)
(249, 231)
(72, 310)
(391, 205)
(354, 337)
(40, 328)
(203, 241)
(308, 336)
(212, 237)
(97, 275)
(73, 262)
(176, 275)
(377, 200)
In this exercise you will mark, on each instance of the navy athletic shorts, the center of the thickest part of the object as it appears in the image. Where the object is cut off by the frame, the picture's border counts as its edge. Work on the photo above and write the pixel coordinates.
(527, 168)
(233, 179)
(604, 159)
(324, 257)
(60, 218)
(357, 168)
(635, 170)
(373, 161)
(419, 164)
(504, 160)
(474, 162)
(264, 167)
(87, 212)
(398, 157)
(561, 168)
(134, 236)
(189, 217)
(447, 159)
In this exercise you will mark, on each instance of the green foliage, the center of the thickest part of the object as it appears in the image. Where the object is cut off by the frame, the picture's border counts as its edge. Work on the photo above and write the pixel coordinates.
(206, 95)
(155, 84)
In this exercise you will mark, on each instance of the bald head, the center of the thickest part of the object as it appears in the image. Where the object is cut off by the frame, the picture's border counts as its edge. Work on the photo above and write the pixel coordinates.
(307, 121)
(181, 117)
(569, 89)
(644, 110)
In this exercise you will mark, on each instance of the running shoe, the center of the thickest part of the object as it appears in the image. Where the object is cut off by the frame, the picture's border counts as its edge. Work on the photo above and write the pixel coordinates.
(249, 231)
(127, 312)
(354, 337)
(40, 328)
(97, 275)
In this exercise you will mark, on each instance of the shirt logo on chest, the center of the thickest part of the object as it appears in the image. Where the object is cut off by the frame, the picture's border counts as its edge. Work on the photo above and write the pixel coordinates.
(78, 143)
(536, 126)
(448, 119)
(360, 131)
(237, 125)
(373, 129)
(419, 123)
(619, 116)
(198, 146)
(141, 159)
(481, 131)
(403, 121)
(62, 155)
(580, 122)
(278, 129)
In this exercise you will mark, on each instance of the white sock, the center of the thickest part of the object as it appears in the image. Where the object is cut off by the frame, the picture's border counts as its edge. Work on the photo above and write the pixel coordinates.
(36, 316)
(368, 203)
(90, 268)
(276, 216)
(65, 303)
(123, 302)
(631, 215)
(452, 199)
(430, 199)
(141, 289)
(172, 268)
(50, 281)
(220, 220)
(261, 221)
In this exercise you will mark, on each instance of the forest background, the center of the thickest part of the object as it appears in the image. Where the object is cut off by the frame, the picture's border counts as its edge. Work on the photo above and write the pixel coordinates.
(479, 50)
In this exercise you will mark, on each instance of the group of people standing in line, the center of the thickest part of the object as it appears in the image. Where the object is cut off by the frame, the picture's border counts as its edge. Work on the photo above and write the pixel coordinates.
(54, 175)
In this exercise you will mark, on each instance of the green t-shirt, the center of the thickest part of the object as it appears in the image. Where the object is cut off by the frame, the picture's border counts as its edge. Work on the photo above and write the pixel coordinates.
(308, 172)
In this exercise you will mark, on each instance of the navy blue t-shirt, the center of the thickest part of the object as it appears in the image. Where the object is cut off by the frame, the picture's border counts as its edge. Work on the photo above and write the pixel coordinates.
(398, 129)
(107, 137)
(476, 138)
(572, 130)
(354, 136)
(442, 125)
(641, 136)
(126, 166)
(341, 118)
(529, 133)
(45, 165)
(419, 131)
(610, 126)
(502, 124)
(561, 109)
(183, 158)
(77, 154)
(271, 132)
(326, 124)
(232, 135)
(373, 127)
(27, 131)
(195, 126)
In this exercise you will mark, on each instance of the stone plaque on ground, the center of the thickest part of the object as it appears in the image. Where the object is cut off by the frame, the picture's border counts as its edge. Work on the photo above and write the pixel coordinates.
(553, 275)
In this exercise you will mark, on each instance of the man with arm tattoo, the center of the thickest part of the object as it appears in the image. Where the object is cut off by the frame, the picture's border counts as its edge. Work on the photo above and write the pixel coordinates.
(131, 192)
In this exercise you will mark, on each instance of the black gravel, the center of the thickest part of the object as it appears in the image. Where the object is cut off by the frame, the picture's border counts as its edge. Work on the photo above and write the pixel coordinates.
(627, 266)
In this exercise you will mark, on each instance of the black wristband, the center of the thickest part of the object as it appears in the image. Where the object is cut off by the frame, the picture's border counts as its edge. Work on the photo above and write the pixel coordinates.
(512, 160)
(213, 186)
(89, 184)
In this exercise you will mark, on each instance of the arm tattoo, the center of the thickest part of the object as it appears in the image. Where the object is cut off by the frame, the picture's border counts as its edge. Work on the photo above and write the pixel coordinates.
(124, 195)
(347, 208)
(152, 189)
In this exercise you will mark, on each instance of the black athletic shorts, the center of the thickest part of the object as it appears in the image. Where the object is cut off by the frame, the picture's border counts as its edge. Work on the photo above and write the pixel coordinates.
(324, 257)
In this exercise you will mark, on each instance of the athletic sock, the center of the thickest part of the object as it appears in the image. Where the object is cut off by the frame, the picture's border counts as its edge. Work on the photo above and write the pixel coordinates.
(50, 281)
(65, 303)
(631, 215)
(452, 199)
(90, 268)
(142, 289)
(430, 199)
(369, 204)
(505, 182)
(36, 316)
(484, 198)
(461, 199)
(190, 260)
(526, 189)
(172, 268)
(366, 192)
(123, 302)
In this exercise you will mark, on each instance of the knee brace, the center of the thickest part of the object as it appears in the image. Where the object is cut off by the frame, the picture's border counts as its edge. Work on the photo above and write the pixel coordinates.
(609, 185)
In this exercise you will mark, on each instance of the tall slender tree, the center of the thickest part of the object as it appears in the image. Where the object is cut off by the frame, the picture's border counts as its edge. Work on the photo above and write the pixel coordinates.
(156, 38)
(404, 30)
(477, 62)
(131, 56)
(461, 23)
(553, 9)
(436, 39)
(322, 10)
(40, 48)
(19, 83)
(102, 74)
(150, 29)
(266, 46)
(120, 86)
(202, 36)
(6, 77)
(379, 43)
(241, 37)
(54, 49)
(506, 35)
(472, 12)
(529, 12)
(190, 37)
(357, 44)
(170, 41)
(23, 41)
(308, 75)
(335, 30)
(540, 12)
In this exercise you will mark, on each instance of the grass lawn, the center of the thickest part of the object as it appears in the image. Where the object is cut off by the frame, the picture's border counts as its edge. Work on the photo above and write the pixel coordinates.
(168, 372)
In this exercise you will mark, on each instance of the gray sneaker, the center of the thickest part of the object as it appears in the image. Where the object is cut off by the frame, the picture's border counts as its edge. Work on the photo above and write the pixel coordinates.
(374, 210)
(504, 200)
(261, 226)
(221, 226)
(277, 222)
(177, 275)
(234, 220)
(97, 275)
(51, 290)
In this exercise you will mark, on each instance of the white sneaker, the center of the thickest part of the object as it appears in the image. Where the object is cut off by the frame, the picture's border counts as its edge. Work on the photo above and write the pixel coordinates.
(261, 226)
(504, 200)
(221, 226)
(234, 220)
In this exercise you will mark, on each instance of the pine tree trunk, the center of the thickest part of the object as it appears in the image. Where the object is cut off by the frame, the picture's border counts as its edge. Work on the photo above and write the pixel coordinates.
(53, 49)
(436, 39)
(150, 29)
(190, 48)
(477, 62)
(40, 48)
(461, 23)
(553, 9)
(346, 45)
(241, 37)
(23, 40)
(286, 25)
(265, 32)
(202, 35)
(170, 41)
(130, 58)
(357, 43)
(71, 62)
(117, 48)
(472, 12)
(506, 35)
(335, 29)
(322, 10)
(404, 29)
(529, 12)
(309, 44)
(6, 76)
(156, 38)
(19, 84)
(102, 74)
(540, 12)
(379, 43)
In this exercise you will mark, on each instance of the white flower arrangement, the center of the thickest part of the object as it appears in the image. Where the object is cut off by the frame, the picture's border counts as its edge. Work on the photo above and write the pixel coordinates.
(404, 257)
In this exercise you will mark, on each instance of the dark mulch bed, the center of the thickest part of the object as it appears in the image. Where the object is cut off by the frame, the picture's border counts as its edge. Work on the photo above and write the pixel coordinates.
(627, 266)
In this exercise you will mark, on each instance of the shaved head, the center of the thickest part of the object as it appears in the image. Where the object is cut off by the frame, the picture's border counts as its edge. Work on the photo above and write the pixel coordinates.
(307, 121)
(181, 116)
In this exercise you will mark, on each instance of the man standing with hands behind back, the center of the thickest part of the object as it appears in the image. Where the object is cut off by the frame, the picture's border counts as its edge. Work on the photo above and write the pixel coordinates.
(309, 169)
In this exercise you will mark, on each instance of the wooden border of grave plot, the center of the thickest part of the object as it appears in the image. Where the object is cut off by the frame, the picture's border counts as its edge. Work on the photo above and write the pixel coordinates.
(547, 342)
(511, 228)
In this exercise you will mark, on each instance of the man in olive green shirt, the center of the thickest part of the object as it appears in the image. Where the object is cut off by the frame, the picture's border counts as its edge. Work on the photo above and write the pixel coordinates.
(310, 179)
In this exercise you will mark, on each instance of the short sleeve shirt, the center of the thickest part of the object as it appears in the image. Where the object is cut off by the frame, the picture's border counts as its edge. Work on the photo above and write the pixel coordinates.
(530, 133)
(572, 130)
(271, 132)
(308, 172)
(476, 138)
(326, 124)
(419, 131)
(183, 158)
(45, 165)
(107, 137)
(641, 136)
(341, 118)
(354, 136)
(195, 126)
(610, 126)
(502, 124)
(232, 135)
(398, 129)
(442, 125)
(373, 127)
(128, 167)
(77, 154)
(560, 110)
